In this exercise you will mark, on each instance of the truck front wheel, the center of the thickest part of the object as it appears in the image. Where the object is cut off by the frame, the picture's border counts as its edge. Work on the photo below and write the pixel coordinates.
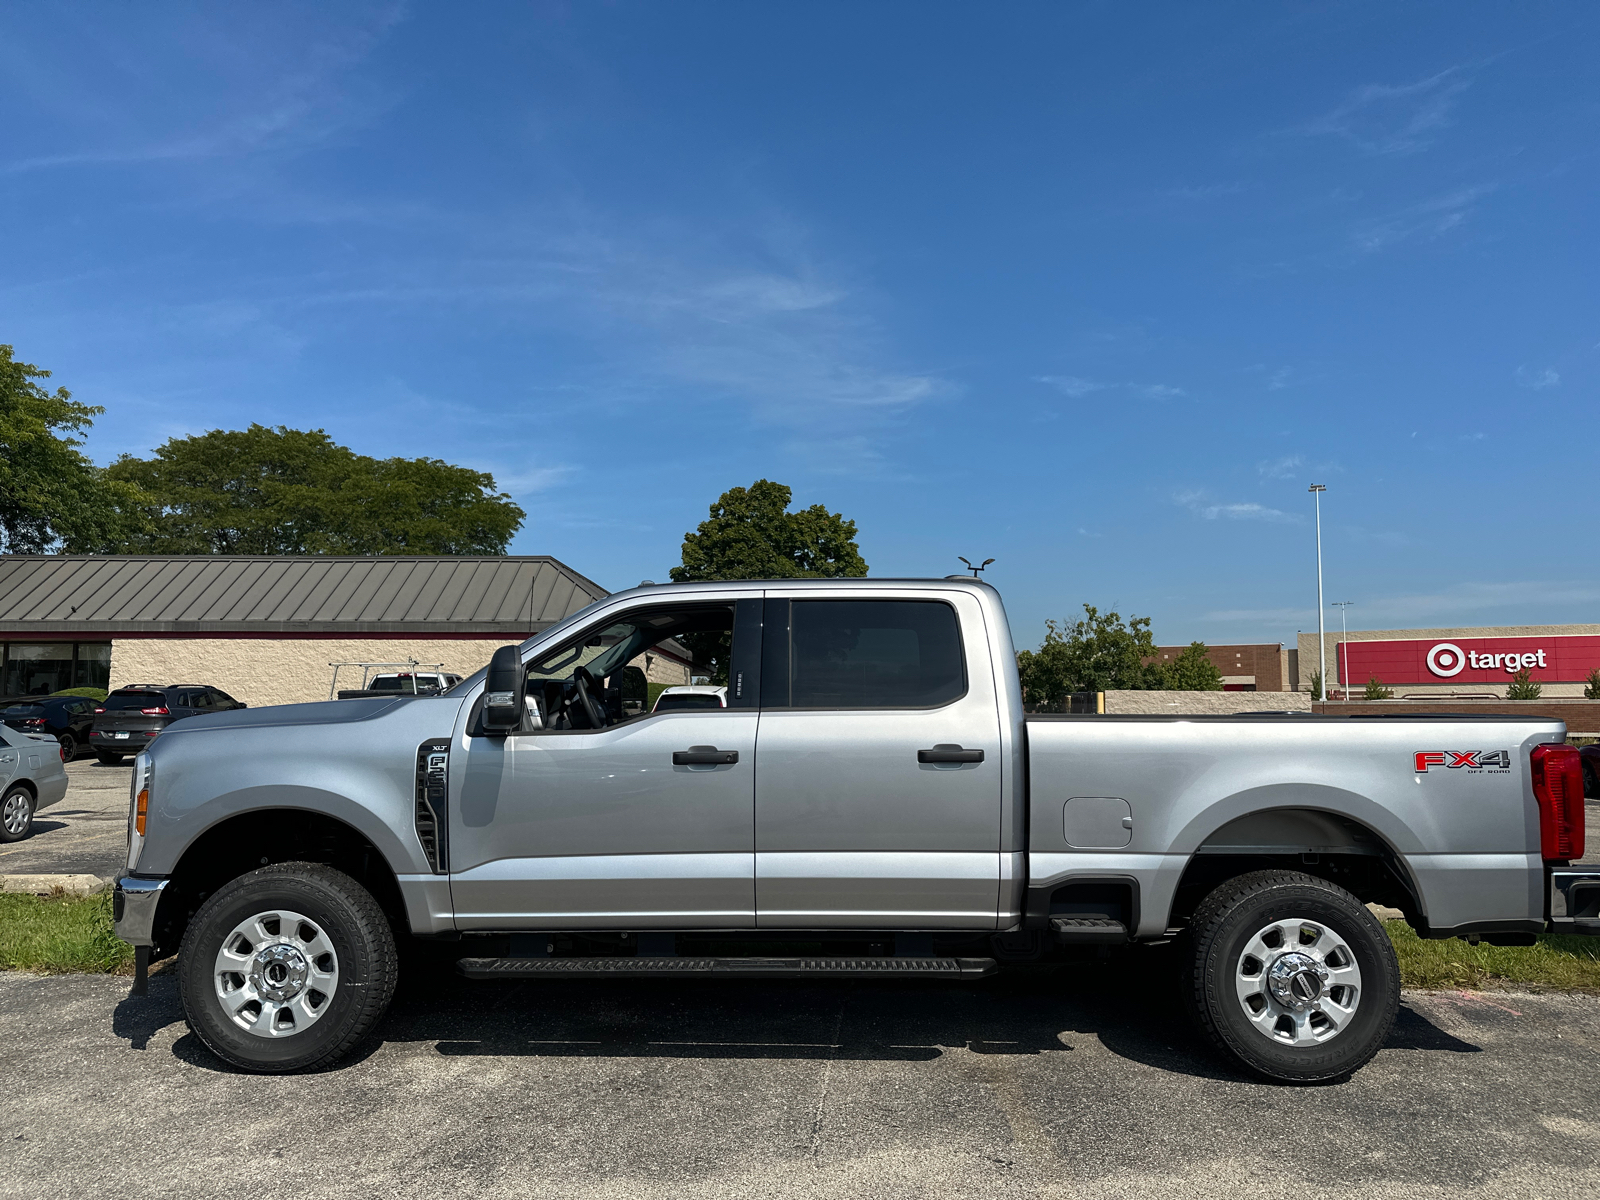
(287, 968)
(1292, 976)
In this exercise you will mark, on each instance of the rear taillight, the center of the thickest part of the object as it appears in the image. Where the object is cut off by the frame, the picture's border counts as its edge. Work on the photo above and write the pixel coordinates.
(155, 712)
(141, 807)
(1558, 786)
(98, 711)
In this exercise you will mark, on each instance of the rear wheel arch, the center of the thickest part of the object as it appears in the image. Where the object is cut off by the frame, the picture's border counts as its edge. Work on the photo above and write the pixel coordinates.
(1318, 842)
(245, 841)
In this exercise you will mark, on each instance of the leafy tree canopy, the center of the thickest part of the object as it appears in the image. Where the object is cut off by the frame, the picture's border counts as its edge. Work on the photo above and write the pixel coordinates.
(1097, 654)
(288, 491)
(750, 534)
(1191, 671)
(1102, 653)
(51, 495)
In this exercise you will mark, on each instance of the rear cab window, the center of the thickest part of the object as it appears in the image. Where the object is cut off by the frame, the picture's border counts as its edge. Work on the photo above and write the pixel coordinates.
(857, 654)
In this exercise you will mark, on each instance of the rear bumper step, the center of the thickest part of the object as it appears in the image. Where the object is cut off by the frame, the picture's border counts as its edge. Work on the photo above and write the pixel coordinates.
(1089, 931)
(749, 968)
(1575, 900)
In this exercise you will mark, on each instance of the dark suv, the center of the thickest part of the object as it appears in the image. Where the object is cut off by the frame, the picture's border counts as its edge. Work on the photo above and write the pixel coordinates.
(130, 718)
(66, 718)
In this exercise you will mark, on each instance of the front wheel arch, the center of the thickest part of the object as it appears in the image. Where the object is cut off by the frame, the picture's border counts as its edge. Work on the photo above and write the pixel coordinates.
(250, 840)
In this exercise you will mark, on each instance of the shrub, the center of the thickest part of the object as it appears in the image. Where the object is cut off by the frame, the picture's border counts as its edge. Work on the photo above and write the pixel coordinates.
(1376, 690)
(91, 693)
(1522, 687)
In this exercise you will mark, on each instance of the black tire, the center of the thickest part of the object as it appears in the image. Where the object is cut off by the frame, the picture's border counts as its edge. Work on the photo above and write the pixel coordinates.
(69, 747)
(360, 937)
(107, 758)
(16, 813)
(1225, 927)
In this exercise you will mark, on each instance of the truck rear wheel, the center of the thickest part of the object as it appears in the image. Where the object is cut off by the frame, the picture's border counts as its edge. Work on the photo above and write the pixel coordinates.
(287, 968)
(1292, 976)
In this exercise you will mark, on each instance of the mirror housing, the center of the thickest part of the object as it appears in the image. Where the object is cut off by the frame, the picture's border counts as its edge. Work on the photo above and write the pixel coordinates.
(502, 692)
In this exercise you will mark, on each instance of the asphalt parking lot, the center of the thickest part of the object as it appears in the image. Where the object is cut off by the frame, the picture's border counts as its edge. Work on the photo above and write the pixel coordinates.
(84, 833)
(1060, 1082)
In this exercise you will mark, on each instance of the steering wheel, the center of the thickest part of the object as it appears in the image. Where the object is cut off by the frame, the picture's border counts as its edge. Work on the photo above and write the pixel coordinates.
(584, 682)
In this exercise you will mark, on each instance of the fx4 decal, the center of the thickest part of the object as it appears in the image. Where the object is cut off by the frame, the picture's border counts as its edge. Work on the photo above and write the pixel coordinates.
(1475, 760)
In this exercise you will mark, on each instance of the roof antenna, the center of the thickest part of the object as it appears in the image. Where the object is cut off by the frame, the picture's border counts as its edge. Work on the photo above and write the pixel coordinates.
(978, 570)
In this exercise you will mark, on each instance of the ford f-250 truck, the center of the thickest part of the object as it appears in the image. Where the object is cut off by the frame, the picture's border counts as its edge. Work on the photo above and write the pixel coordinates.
(872, 802)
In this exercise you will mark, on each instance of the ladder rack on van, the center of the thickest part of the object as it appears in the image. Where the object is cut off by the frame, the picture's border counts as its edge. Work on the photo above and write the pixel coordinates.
(369, 668)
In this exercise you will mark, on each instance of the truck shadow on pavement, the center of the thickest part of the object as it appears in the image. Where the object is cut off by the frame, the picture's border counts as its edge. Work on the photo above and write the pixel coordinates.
(1128, 1005)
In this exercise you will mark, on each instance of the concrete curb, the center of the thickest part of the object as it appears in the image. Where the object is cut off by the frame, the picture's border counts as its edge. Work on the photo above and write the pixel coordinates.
(44, 885)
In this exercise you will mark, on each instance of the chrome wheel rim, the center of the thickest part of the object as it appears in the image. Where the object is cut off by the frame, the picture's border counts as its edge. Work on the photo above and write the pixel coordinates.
(1298, 982)
(14, 814)
(276, 973)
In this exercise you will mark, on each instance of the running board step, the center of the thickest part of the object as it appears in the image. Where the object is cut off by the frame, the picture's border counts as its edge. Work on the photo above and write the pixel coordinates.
(749, 968)
(1089, 931)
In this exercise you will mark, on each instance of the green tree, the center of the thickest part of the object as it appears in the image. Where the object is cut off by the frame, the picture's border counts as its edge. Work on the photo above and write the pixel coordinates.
(1316, 685)
(51, 495)
(1376, 690)
(1523, 687)
(751, 534)
(1191, 671)
(288, 491)
(1591, 685)
(1099, 653)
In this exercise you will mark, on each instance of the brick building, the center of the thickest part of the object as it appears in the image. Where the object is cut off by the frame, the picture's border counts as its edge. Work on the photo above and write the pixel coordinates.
(1251, 668)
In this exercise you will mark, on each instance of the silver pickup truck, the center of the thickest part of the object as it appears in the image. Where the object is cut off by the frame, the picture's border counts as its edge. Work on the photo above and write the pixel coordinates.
(871, 802)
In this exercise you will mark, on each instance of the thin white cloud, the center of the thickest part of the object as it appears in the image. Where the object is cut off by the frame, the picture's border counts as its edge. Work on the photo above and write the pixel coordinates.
(1071, 385)
(1393, 118)
(1199, 503)
(1286, 467)
(1430, 219)
(1537, 380)
(1075, 386)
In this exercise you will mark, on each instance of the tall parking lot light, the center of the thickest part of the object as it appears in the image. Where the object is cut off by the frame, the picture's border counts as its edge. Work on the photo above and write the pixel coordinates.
(1342, 663)
(1316, 490)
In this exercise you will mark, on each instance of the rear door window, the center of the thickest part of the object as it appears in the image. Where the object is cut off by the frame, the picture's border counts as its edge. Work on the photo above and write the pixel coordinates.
(863, 654)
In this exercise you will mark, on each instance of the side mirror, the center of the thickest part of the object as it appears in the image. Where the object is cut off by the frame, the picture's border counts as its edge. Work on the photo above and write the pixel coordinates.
(502, 691)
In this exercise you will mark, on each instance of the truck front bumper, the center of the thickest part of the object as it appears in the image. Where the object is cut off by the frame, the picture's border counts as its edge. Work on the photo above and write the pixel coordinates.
(1575, 899)
(133, 908)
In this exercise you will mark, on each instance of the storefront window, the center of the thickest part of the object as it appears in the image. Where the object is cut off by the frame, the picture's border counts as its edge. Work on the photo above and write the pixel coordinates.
(39, 668)
(93, 667)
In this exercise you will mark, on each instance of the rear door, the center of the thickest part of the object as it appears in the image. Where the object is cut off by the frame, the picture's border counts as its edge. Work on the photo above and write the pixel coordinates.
(878, 794)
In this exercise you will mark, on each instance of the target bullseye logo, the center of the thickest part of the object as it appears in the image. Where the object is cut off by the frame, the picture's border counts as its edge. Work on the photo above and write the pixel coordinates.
(1446, 660)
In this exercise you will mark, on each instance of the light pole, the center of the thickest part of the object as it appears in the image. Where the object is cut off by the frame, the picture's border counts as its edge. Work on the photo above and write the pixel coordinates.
(1344, 636)
(1316, 490)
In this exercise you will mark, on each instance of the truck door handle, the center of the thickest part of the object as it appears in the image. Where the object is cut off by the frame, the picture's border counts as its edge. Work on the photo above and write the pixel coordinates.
(704, 756)
(949, 754)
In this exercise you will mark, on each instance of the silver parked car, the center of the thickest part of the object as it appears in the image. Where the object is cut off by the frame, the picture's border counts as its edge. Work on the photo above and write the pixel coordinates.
(31, 778)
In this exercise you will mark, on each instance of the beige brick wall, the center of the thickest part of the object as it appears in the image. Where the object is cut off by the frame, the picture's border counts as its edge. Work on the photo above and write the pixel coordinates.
(263, 671)
(1204, 703)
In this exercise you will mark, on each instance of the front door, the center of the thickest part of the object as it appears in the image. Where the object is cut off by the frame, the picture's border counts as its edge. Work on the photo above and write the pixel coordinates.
(878, 799)
(595, 814)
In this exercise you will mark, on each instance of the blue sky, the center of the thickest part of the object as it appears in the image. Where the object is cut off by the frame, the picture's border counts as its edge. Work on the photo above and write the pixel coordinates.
(1094, 289)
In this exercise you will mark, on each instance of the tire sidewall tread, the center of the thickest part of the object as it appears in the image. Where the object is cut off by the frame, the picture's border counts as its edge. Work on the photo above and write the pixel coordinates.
(363, 941)
(1216, 936)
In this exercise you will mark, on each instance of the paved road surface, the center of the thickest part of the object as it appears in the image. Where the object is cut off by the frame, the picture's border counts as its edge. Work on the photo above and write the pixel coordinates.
(84, 833)
(1053, 1083)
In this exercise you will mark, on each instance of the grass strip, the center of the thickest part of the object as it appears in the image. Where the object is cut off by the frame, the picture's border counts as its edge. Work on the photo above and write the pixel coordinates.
(1562, 962)
(59, 934)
